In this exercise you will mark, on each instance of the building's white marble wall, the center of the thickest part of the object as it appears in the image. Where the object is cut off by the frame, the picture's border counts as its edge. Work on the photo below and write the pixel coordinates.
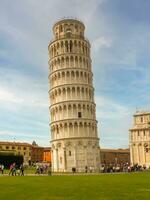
(140, 139)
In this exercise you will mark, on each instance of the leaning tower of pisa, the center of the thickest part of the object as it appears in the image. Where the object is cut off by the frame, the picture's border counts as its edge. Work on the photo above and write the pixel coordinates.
(74, 137)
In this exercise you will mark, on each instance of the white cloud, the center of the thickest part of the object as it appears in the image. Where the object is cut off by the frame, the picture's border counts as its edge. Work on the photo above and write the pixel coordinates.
(8, 96)
(101, 42)
(22, 90)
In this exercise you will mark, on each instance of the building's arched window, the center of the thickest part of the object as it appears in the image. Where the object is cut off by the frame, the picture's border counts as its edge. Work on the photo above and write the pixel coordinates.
(68, 33)
(60, 28)
(56, 35)
(70, 46)
(76, 27)
(79, 114)
(69, 153)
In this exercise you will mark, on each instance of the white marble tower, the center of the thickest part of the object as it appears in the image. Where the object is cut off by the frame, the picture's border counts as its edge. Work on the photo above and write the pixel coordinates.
(74, 137)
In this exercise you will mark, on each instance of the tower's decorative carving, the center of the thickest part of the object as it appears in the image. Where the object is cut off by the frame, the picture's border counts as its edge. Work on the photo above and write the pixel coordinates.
(73, 124)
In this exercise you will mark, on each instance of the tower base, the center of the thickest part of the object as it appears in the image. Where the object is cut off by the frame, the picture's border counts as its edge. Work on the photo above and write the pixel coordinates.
(79, 155)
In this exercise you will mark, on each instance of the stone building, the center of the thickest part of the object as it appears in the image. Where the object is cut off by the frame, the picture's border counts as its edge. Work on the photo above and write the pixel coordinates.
(17, 148)
(30, 152)
(37, 153)
(40, 154)
(74, 137)
(47, 155)
(114, 157)
(140, 139)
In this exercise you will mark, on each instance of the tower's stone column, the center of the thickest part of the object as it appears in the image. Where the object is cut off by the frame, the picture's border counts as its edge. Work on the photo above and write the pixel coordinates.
(73, 119)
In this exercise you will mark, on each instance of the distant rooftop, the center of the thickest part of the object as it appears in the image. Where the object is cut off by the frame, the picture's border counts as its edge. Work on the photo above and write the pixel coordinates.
(15, 143)
(114, 150)
(142, 112)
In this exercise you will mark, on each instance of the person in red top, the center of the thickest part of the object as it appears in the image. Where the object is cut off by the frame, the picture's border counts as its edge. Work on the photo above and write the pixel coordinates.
(10, 169)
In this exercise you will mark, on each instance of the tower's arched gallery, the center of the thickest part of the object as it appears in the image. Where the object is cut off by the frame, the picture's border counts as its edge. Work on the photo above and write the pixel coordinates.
(74, 137)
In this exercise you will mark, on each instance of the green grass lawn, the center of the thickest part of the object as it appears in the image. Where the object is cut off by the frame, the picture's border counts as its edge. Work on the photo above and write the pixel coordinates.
(133, 186)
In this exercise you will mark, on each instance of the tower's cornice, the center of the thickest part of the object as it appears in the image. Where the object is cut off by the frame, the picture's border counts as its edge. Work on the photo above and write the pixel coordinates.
(72, 84)
(70, 20)
(72, 102)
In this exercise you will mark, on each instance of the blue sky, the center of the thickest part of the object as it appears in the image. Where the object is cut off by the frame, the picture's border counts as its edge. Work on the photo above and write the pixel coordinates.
(119, 32)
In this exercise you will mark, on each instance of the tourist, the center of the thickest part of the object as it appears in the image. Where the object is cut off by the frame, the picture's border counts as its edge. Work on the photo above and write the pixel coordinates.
(41, 170)
(86, 169)
(90, 169)
(10, 169)
(73, 170)
(2, 168)
(37, 169)
(14, 169)
(22, 170)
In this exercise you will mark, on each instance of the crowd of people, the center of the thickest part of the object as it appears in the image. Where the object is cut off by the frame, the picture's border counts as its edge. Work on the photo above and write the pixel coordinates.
(39, 168)
(122, 168)
(113, 168)
(13, 169)
(16, 170)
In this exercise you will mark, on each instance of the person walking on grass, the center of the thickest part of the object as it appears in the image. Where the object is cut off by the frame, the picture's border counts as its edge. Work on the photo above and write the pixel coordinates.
(2, 168)
(86, 169)
(22, 170)
(10, 169)
(14, 169)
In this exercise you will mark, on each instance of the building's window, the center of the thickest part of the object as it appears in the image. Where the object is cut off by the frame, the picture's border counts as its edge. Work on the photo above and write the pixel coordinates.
(57, 130)
(60, 28)
(68, 33)
(0, 147)
(70, 46)
(76, 27)
(24, 148)
(7, 147)
(138, 133)
(61, 160)
(146, 149)
(24, 153)
(79, 114)
(144, 133)
(13, 147)
(56, 35)
(19, 148)
(69, 153)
